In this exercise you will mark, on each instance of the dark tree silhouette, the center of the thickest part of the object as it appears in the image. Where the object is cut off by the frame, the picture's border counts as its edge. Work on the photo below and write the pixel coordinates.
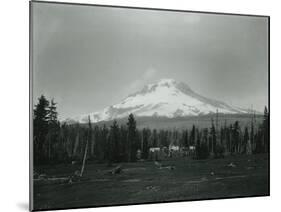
(132, 131)
(245, 140)
(266, 129)
(114, 142)
(40, 128)
(213, 137)
(192, 136)
(53, 130)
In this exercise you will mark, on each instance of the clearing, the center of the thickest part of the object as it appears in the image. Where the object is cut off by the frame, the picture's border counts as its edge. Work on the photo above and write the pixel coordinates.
(145, 182)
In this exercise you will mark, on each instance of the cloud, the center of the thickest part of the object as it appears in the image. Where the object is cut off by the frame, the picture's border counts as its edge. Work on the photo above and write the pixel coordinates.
(144, 79)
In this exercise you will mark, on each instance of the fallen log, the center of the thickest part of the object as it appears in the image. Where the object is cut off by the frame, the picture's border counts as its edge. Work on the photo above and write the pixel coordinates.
(116, 170)
(167, 167)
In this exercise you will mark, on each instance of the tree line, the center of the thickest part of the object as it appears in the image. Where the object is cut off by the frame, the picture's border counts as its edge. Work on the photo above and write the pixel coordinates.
(56, 142)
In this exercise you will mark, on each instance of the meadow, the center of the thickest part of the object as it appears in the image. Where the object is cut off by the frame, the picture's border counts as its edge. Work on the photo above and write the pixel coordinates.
(147, 182)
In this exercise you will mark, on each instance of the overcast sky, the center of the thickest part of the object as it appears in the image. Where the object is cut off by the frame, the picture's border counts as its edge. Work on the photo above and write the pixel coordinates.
(88, 57)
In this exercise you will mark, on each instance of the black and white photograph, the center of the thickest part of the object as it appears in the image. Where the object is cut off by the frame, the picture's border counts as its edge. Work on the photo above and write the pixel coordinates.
(135, 105)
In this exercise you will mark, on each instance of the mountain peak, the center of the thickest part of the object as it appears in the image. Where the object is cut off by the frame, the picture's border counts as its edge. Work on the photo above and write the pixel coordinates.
(166, 97)
(153, 86)
(173, 84)
(166, 81)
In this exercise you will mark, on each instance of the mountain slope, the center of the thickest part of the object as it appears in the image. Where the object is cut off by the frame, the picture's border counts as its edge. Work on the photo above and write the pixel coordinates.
(166, 98)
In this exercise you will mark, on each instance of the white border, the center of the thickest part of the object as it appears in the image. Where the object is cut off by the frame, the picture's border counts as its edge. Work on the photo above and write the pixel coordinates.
(14, 105)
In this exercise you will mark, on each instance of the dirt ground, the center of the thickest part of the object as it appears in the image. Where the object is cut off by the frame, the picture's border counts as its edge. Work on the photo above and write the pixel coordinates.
(145, 182)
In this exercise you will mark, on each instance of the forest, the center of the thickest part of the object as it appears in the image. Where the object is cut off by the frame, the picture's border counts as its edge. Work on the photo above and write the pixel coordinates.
(56, 142)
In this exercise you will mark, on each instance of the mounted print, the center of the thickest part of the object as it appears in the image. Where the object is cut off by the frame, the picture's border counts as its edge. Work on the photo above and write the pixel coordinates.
(139, 105)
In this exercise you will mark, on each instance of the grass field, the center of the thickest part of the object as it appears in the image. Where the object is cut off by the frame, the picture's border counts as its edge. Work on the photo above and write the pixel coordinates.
(144, 182)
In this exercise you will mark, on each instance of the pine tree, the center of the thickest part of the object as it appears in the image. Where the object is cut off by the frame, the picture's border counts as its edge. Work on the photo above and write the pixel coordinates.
(252, 138)
(213, 136)
(145, 146)
(40, 127)
(123, 143)
(114, 146)
(154, 138)
(53, 129)
(103, 141)
(198, 138)
(131, 138)
(236, 136)
(205, 136)
(52, 113)
(192, 136)
(98, 150)
(266, 129)
(64, 148)
(201, 150)
(245, 140)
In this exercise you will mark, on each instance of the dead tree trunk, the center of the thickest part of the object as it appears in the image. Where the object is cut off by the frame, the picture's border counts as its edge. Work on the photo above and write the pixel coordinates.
(86, 148)
(76, 143)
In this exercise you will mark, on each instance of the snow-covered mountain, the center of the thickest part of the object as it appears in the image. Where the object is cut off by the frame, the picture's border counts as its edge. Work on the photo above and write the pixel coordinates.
(167, 98)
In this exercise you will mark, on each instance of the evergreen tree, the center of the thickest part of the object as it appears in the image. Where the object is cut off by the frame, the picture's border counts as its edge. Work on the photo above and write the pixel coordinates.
(222, 136)
(132, 149)
(217, 147)
(145, 145)
(123, 143)
(229, 138)
(53, 130)
(104, 140)
(163, 138)
(154, 138)
(64, 148)
(213, 136)
(40, 127)
(52, 113)
(185, 138)
(198, 138)
(266, 129)
(236, 137)
(205, 136)
(245, 140)
(252, 138)
(114, 145)
(192, 136)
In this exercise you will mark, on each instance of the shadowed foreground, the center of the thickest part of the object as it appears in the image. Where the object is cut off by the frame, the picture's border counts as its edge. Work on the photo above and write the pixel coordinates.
(144, 182)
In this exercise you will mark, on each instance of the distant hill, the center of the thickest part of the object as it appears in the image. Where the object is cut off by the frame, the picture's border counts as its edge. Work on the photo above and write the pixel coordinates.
(202, 121)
